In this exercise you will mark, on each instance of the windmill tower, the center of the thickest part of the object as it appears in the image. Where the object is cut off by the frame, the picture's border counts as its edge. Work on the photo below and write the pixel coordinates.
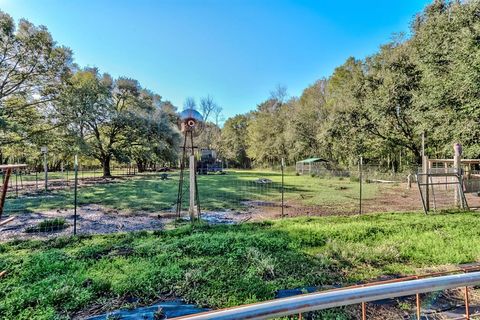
(190, 122)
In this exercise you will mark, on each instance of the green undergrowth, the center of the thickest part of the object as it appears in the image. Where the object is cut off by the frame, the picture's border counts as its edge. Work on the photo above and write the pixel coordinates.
(220, 266)
(48, 225)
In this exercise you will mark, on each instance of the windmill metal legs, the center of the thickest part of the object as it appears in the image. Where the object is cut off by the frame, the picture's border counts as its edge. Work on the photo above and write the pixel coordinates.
(193, 178)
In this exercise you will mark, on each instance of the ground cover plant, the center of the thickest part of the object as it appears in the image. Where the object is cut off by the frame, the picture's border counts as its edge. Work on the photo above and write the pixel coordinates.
(219, 266)
(230, 191)
(48, 225)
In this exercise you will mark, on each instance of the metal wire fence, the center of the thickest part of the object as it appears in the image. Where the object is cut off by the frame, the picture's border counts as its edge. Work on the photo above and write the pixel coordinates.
(130, 201)
(43, 205)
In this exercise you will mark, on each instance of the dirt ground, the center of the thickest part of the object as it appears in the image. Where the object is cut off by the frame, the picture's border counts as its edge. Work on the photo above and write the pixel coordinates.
(390, 198)
(96, 219)
(91, 219)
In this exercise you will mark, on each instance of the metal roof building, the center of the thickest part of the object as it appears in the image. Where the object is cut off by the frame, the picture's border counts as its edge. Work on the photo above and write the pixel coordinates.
(306, 165)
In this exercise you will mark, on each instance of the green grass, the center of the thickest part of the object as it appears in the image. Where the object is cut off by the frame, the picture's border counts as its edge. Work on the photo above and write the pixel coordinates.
(65, 175)
(218, 192)
(219, 266)
(48, 225)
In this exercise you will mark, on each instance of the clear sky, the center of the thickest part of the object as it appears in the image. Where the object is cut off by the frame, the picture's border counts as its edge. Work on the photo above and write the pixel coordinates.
(234, 50)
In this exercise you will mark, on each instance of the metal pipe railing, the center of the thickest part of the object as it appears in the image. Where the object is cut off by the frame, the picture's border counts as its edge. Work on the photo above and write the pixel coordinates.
(338, 298)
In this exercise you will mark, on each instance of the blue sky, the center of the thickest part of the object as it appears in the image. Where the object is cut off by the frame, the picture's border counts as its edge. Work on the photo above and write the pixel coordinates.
(234, 50)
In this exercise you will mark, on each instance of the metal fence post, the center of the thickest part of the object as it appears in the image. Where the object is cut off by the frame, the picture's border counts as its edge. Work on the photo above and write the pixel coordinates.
(418, 304)
(360, 294)
(283, 189)
(45, 167)
(364, 311)
(360, 168)
(75, 197)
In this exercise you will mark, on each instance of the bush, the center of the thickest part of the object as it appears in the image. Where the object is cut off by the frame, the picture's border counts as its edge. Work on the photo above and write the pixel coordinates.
(48, 225)
(354, 179)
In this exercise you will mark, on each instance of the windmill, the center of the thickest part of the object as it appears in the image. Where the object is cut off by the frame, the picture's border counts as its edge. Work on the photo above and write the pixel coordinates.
(190, 122)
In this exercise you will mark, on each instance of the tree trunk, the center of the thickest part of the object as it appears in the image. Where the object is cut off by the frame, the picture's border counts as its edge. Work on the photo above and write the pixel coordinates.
(141, 165)
(106, 167)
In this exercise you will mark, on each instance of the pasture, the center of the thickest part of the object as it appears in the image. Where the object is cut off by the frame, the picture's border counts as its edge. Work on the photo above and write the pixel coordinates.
(147, 192)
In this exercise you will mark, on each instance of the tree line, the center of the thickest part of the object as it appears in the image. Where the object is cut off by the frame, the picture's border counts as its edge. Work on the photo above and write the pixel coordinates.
(46, 99)
(425, 83)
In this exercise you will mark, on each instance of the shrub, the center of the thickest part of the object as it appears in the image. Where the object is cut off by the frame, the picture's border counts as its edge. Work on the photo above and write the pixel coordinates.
(48, 225)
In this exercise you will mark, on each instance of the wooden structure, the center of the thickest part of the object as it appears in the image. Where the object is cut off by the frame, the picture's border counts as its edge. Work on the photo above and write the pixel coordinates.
(7, 168)
(456, 172)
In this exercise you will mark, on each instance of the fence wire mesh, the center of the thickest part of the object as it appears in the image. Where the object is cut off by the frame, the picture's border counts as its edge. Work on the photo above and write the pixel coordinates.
(132, 201)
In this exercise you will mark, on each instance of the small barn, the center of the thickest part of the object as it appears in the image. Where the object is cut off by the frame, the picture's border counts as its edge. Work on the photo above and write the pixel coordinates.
(309, 165)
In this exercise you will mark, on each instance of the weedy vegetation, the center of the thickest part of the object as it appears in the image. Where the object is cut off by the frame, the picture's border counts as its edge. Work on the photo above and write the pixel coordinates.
(220, 266)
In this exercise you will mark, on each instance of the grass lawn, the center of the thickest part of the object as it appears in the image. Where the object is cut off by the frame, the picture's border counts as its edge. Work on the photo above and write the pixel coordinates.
(219, 266)
(218, 192)
(65, 175)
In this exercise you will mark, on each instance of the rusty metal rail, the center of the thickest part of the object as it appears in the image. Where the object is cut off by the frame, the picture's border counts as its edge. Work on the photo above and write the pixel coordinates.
(360, 294)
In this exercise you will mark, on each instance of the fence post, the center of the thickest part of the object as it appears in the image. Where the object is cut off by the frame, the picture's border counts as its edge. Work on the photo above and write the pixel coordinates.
(360, 168)
(75, 197)
(45, 167)
(283, 190)
(426, 171)
(457, 165)
(191, 209)
(16, 183)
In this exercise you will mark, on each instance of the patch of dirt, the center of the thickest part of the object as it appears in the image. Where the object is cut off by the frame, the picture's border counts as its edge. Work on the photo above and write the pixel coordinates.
(91, 219)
